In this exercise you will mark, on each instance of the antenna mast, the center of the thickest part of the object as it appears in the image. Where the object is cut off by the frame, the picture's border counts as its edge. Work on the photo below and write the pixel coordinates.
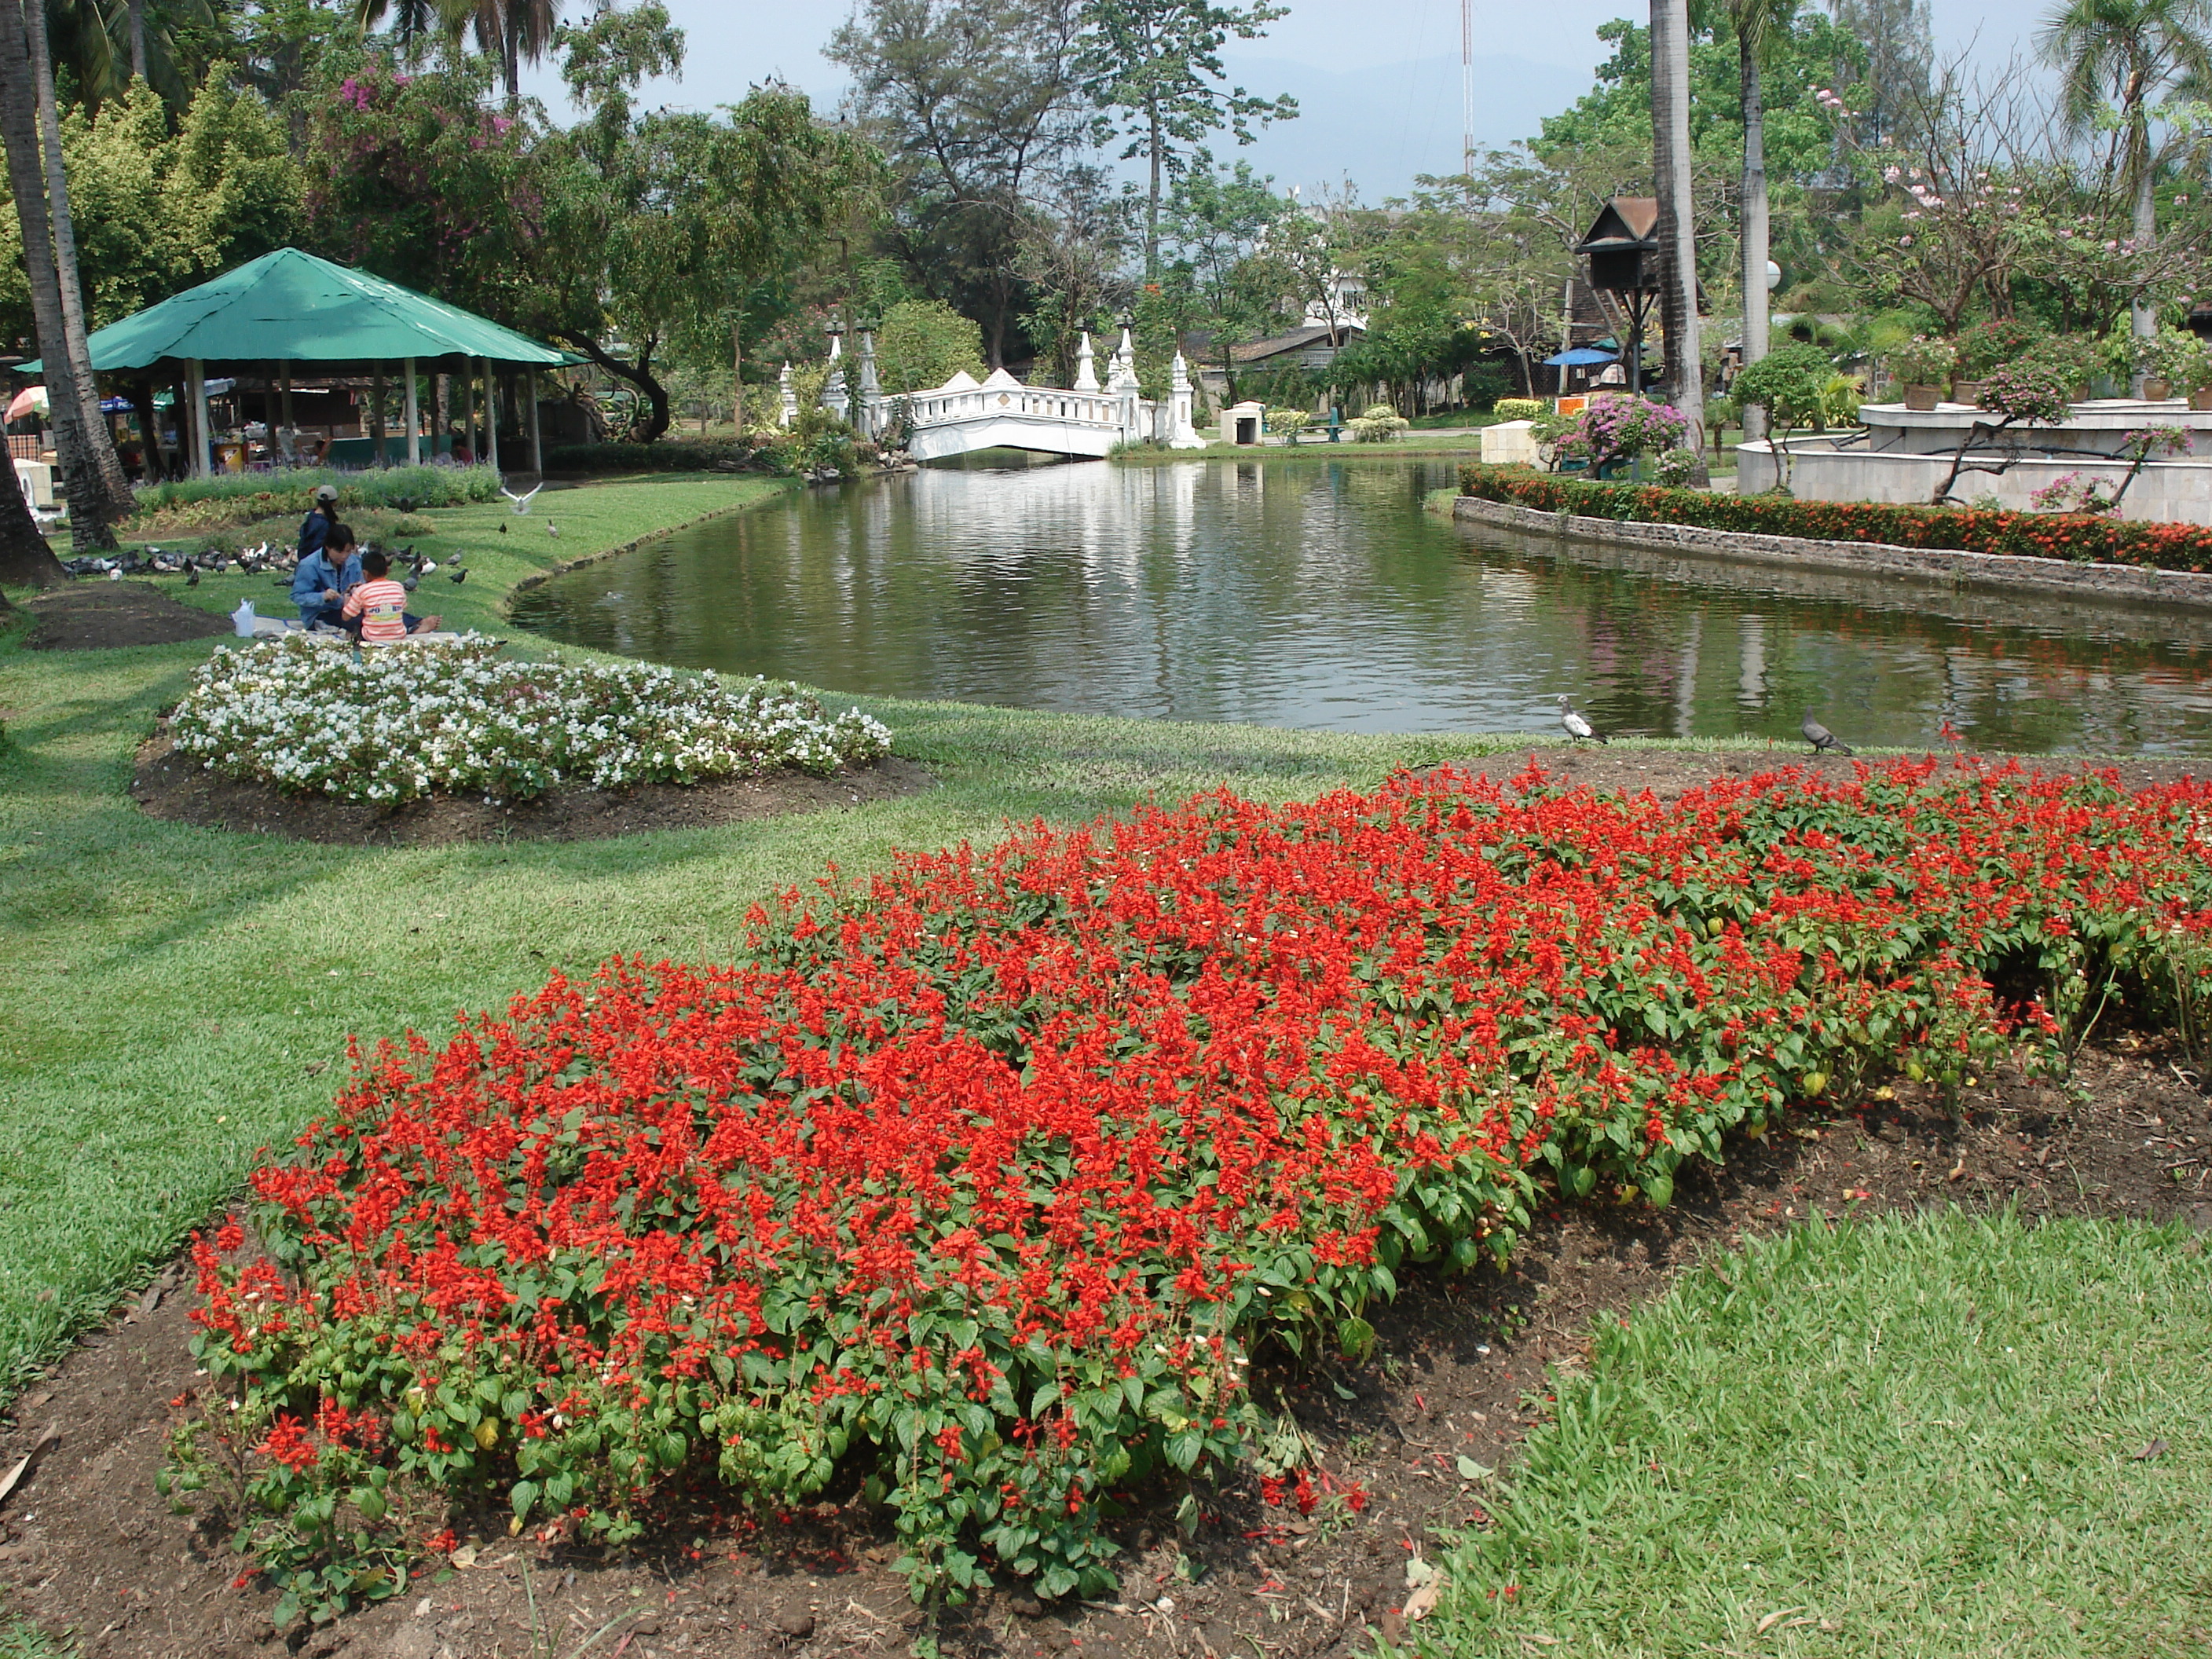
(1467, 85)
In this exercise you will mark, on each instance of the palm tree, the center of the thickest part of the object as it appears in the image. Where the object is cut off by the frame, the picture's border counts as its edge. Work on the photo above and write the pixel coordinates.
(78, 436)
(107, 44)
(1678, 251)
(515, 32)
(2127, 53)
(1758, 23)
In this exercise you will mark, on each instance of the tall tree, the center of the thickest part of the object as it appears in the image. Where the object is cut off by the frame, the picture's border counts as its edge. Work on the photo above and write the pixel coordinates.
(1678, 246)
(25, 558)
(1154, 66)
(115, 487)
(92, 504)
(2115, 58)
(977, 105)
(1757, 24)
(1901, 51)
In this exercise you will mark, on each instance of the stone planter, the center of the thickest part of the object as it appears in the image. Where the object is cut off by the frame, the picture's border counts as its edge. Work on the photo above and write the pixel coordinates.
(1923, 397)
(1968, 393)
(2156, 392)
(2201, 399)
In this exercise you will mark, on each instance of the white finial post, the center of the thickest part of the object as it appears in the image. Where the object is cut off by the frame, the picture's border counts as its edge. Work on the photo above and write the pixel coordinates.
(1086, 366)
(787, 399)
(867, 406)
(1182, 433)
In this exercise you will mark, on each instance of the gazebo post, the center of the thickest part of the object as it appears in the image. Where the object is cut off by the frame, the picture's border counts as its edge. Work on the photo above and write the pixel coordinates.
(414, 420)
(291, 450)
(196, 383)
(376, 412)
(537, 437)
(491, 416)
(466, 380)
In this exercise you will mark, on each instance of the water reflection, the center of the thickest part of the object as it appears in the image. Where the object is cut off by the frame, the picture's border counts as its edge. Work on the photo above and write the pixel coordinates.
(1319, 594)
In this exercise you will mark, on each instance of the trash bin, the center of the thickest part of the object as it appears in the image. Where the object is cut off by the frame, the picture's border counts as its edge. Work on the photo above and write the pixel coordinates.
(230, 458)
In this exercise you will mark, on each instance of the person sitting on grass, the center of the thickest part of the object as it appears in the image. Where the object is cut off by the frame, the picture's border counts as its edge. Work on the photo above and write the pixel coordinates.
(325, 576)
(375, 613)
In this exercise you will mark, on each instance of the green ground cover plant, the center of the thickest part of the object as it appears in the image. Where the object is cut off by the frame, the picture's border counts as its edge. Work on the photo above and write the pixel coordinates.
(2081, 537)
(1949, 1435)
(196, 506)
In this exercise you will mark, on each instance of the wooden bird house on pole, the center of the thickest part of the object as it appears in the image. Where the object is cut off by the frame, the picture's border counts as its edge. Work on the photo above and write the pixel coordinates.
(1625, 259)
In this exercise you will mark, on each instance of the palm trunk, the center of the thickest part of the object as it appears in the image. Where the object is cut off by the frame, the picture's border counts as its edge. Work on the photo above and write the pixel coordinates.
(89, 526)
(737, 379)
(114, 485)
(138, 40)
(1670, 137)
(25, 558)
(1755, 228)
(2143, 316)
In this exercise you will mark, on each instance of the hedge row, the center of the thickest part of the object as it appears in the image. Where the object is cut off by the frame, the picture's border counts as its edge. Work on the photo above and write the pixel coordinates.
(2081, 539)
(666, 456)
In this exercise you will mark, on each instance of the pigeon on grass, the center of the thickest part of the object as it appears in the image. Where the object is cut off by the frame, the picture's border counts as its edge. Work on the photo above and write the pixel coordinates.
(1824, 741)
(1577, 728)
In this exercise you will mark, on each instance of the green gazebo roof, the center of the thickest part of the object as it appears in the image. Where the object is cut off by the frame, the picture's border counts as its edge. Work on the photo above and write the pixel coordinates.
(289, 307)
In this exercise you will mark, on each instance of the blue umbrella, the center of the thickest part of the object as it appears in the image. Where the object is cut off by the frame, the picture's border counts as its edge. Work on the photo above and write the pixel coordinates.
(1580, 357)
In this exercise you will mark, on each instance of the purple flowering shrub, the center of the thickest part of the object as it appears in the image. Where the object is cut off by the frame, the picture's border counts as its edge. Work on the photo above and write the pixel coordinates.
(1613, 426)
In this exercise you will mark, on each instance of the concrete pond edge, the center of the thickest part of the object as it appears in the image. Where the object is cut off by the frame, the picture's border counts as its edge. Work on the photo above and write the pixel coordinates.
(2011, 573)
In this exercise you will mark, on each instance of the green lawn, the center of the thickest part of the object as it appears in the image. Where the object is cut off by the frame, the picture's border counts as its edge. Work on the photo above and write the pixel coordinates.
(172, 999)
(1910, 1437)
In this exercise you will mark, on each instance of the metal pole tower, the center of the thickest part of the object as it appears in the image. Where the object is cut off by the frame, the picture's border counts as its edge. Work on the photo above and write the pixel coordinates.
(1467, 85)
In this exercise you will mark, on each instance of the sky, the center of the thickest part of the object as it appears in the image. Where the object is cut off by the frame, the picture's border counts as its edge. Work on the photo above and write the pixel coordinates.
(1377, 81)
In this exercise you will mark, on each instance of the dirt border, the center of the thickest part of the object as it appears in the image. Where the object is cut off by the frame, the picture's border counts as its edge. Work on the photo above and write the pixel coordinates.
(181, 790)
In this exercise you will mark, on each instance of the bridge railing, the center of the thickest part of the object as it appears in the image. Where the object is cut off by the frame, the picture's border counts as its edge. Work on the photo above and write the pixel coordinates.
(1089, 408)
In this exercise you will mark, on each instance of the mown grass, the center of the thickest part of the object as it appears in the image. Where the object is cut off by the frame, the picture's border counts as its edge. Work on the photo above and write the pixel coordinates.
(174, 998)
(1931, 1436)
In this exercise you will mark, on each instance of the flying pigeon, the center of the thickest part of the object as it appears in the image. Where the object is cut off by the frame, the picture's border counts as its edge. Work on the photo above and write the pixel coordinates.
(1577, 727)
(1823, 740)
(521, 502)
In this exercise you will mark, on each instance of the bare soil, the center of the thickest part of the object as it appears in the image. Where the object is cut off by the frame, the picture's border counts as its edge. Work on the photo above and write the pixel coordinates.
(1458, 1370)
(98, 616)
(169, 785)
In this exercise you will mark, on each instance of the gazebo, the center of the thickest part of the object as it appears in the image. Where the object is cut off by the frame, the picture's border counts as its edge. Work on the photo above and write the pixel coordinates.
(289, 307)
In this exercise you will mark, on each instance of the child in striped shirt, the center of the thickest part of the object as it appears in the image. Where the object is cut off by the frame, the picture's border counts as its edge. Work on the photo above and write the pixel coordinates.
(380, 603)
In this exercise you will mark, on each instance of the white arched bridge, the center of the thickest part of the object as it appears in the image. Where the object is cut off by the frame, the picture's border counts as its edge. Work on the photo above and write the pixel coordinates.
(965, 414)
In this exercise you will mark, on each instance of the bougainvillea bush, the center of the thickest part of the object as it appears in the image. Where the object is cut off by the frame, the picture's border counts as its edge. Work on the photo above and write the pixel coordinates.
(984, 1178)
(2082, 537)
(404, 721)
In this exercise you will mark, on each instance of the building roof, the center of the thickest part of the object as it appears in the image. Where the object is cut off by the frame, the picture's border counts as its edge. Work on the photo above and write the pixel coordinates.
(289, 307)
(1299, 339)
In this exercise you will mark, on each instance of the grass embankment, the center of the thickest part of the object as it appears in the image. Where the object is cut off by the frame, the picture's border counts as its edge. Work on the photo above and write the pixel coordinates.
(172, 999)
(1936, 1436)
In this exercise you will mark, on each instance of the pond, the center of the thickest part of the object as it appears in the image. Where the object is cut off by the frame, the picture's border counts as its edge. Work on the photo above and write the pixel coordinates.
(1319, 593)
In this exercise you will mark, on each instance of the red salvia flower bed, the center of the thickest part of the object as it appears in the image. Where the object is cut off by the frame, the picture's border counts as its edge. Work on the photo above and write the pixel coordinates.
(984, 1178)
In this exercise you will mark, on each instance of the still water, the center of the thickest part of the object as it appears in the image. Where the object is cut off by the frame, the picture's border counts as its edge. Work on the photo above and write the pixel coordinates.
(1311, 593)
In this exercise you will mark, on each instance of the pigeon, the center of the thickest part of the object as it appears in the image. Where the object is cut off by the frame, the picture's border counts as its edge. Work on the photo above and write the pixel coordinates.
(1824, 741)
(114, 574)
(192, 573)
(521, 502)
(552, 530)
(457, 576)
(502, 527)
(1577, 727)
(410, 583)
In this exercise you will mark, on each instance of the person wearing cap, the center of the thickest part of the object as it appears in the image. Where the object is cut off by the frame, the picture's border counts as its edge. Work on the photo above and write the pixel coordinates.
(315, 528)
(326, 576)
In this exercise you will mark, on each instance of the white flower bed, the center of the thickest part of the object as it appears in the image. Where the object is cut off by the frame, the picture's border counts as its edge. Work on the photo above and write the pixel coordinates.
(410, 720)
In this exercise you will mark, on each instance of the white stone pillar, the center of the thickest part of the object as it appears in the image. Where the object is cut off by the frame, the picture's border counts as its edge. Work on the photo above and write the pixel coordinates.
(786, 399)
(1182, 433)
(868, 408)
(1086, 366)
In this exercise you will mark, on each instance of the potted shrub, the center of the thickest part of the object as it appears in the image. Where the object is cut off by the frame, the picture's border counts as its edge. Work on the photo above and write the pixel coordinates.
(1988, 346)
(2074, 358)
(1924, 368)
(2173, 360)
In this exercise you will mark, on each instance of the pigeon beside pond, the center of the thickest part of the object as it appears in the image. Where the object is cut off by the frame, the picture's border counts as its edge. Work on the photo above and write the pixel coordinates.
(1824, 741)
(1577, 728)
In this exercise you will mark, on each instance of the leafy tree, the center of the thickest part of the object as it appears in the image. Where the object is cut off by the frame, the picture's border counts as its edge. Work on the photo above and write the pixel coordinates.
(923, 343)
(1224, 277)
(1154, 66)
(1072, 259)
(1789, 387)
(104, 45)
(1899, 52)
(157, 211)
(976, 105)
(2115, 58)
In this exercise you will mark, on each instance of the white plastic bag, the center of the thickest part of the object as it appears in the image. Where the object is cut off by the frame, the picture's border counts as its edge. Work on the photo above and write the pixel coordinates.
(242, 619)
